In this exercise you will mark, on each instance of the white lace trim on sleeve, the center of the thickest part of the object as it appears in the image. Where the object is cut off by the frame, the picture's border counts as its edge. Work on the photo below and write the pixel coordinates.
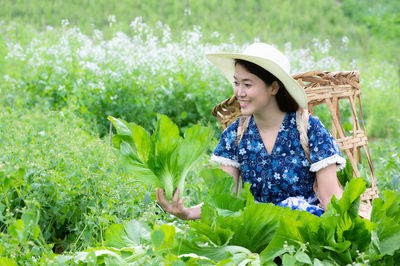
(337, 159)
(224, 161)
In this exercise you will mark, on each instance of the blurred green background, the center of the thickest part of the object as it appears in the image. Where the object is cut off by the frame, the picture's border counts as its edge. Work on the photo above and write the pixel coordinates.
(371, 26)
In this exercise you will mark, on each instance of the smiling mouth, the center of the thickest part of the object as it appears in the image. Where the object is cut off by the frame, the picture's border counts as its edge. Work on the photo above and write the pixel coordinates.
(243, 103)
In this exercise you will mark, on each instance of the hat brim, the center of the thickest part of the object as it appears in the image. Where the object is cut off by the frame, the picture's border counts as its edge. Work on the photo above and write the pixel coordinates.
(225, 63)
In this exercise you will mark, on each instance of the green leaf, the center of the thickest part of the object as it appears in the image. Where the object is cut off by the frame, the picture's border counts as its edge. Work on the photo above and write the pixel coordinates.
(255, 225)
(17, 229)
(385, 214)
(7, 262)
(164, 140)
(317, 262)
(346, 174)
(220, 192)
(230, 220)
(142, 141)
(130, 234)
(195, 142)
(288, 260)
(163, 237)
(303, 257)
(294, 227)
(235, 253)
(137, 231)
(129, 153)
(387, 205)
(31, 219)
(157, 238)
(120, 126)
(349, 201)
(139, 170)
(208, 227)
(114, 237)
(93, 257)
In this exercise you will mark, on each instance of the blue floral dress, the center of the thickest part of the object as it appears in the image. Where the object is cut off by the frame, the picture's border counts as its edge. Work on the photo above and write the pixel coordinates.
(285, 177)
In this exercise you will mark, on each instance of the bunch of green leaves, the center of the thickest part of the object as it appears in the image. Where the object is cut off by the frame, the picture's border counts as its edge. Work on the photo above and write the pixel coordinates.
(236, 230)
(338, 237)
(384, 248)
(124, 243)
(134, 243)
(163, 159)
(335, 236)
(234, 222)
(345, 174)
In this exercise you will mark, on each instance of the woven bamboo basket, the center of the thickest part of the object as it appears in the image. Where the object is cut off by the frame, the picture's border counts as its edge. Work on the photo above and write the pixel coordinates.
(327, 88)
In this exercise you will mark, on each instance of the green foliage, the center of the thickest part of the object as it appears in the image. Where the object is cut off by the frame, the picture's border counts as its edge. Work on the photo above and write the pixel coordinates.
(364, 23)
(73, 180)
(257, 233)
(165, 158)
(339, 236)
(105, 77)
(381, 17)
(346, 174)
(386, 158)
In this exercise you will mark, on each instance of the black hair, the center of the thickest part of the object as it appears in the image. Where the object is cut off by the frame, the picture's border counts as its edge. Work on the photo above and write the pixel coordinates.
(285, 101)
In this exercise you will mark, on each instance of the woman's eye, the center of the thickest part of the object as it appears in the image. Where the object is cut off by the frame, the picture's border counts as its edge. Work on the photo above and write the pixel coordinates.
(235, 83)
(248, 85)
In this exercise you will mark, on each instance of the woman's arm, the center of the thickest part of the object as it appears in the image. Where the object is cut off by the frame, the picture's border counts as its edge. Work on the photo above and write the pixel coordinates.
(328, 185)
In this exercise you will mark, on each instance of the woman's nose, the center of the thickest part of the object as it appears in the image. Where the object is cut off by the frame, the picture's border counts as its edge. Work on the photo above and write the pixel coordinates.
(239, 90)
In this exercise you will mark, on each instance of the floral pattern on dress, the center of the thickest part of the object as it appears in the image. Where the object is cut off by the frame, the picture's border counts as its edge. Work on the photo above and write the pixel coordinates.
(286, 171)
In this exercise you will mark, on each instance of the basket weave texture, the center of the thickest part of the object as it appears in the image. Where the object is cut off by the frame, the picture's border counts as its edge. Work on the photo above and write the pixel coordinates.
(329, 88)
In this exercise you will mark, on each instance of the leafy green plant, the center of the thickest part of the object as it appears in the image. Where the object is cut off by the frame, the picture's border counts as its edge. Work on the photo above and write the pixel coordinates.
(73, 177)
(346, 174)
(339, 236)
(250, 233)
(165, 158)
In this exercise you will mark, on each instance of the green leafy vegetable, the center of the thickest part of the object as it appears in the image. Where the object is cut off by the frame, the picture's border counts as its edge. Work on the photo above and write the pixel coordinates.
(337, 235)
(228, 219)
(163, 159)
(385, 244)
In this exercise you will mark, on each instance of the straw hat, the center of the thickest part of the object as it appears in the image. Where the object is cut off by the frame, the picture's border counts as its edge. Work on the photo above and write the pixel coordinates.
(267, 57)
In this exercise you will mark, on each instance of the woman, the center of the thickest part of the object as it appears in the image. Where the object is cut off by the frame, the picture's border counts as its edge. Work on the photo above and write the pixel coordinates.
(269, 155)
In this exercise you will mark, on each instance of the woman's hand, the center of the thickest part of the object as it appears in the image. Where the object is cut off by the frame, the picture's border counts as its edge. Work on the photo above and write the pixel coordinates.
(176, 206)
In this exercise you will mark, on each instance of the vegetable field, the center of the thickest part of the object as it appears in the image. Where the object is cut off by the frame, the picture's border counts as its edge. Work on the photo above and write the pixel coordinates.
(100, 106)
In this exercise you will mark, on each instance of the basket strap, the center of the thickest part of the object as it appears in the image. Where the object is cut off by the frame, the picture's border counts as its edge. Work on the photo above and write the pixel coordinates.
(302, 117)
(243, 122)
(302, 124)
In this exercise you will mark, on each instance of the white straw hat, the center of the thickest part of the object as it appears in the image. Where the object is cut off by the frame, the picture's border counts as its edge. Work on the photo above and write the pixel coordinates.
(267, 57)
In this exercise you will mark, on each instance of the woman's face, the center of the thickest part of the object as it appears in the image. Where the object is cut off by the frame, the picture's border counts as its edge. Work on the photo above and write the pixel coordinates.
(253, 94)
